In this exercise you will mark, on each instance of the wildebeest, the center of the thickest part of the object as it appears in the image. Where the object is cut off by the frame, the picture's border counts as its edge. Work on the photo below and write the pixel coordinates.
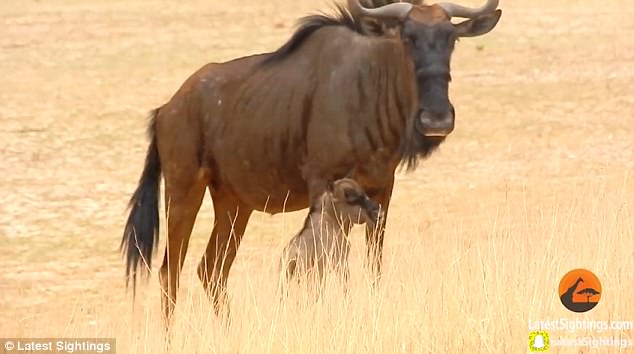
(266, 132)
(322, 243)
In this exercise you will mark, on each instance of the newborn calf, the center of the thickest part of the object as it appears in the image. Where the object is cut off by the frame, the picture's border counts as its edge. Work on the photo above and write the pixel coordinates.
(323, 241)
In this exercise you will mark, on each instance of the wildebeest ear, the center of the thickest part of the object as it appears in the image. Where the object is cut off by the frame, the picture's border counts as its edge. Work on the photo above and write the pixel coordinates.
(478, 26)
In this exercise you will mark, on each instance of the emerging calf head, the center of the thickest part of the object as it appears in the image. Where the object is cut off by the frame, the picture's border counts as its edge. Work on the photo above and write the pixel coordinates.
(349, 201)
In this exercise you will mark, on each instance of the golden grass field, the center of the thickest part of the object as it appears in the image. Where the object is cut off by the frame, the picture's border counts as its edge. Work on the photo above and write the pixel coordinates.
(537, 179)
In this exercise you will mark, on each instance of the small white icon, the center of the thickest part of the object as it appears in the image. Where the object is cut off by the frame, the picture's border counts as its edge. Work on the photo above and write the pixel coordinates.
(539, 341)
(9, 346)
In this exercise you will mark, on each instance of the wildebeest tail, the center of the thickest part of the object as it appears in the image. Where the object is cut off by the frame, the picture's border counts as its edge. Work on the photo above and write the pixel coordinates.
(140, 236)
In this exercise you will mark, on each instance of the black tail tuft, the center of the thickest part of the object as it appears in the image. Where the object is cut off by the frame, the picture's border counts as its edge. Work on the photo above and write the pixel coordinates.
(140, 236)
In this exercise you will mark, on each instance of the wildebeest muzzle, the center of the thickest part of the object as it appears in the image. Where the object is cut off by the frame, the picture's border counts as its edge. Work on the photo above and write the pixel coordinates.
(433, 123)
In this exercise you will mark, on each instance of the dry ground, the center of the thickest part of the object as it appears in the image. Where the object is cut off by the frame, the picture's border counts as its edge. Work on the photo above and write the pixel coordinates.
(537, 179)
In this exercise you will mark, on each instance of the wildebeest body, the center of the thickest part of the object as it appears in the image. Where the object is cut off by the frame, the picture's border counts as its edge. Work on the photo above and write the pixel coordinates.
(268, 129)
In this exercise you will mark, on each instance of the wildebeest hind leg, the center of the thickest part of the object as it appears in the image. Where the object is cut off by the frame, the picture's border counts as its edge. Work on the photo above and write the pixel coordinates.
(182, 201)
(231, 218)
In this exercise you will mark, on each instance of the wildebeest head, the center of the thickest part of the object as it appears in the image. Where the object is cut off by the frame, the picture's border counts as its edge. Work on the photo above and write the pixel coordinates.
(430, 35)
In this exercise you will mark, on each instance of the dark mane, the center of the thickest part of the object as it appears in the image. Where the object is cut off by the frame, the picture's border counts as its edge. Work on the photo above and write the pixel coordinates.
(309, 25)
(342, 17)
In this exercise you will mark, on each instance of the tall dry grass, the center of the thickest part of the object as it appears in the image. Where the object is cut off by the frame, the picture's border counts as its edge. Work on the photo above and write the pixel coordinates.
(456, 285)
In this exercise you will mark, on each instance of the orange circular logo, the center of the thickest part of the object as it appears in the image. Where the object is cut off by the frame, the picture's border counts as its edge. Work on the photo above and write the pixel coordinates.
(580, 290)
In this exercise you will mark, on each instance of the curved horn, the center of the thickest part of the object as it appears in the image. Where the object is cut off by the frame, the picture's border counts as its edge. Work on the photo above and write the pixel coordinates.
(397, 10)
(455, 10)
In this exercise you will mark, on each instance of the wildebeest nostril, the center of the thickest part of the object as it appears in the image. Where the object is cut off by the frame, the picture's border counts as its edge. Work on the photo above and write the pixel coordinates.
(433, 119)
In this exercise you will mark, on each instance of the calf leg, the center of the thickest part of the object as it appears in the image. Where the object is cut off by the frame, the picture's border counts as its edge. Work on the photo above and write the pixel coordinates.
(286, 274)
(345, 268)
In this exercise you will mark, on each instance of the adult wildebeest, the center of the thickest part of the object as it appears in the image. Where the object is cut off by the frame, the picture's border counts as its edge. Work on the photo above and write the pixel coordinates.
(322, 243)
(266, 132)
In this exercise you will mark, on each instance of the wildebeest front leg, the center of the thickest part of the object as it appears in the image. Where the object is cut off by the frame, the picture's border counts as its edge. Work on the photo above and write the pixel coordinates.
(374, 234)
(231, 218)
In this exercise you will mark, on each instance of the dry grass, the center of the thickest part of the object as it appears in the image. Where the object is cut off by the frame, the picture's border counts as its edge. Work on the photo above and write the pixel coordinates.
(536, 180)
(453, 286)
